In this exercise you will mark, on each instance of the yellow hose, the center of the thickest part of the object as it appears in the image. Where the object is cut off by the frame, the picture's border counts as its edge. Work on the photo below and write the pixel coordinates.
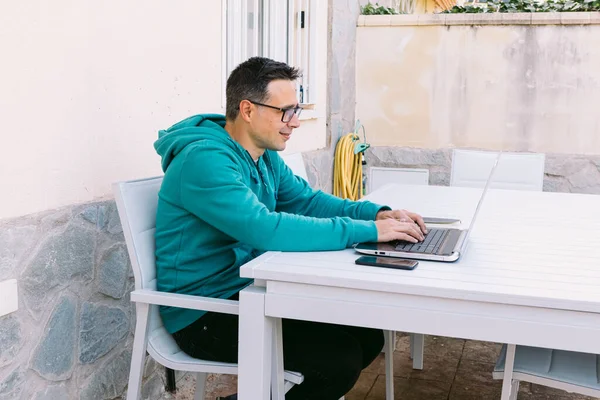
(347, 169)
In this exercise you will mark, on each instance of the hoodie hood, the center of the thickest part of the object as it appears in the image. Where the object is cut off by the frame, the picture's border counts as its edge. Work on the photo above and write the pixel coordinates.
(174, 140)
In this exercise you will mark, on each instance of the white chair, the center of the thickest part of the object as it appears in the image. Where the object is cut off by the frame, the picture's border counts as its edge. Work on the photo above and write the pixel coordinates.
(296, 164)
(565, 370)
(381, 176)
(519, 171)
(137, 202)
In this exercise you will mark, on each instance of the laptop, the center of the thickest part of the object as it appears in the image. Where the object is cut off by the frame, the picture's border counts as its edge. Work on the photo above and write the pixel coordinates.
(440, 244)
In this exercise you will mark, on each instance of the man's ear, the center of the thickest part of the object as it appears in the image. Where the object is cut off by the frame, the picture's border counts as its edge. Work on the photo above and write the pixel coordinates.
(246, 110)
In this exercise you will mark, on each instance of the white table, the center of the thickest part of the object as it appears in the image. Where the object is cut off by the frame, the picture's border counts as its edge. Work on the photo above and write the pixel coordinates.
(530, 276)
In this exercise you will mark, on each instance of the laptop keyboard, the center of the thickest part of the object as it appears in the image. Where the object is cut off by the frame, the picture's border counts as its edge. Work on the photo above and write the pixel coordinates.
(432, 243)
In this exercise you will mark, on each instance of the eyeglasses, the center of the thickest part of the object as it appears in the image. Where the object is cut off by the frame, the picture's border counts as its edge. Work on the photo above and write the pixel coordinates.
(286, 113)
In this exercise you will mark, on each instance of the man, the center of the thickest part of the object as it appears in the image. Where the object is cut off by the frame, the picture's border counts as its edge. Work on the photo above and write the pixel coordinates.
(227, 197)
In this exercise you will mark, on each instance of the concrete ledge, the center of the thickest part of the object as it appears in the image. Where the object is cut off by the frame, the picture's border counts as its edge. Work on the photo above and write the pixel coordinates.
(541, 18)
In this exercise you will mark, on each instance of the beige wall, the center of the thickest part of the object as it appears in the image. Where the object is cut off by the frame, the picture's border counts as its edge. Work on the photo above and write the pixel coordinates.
(85, 86)
(534, 88)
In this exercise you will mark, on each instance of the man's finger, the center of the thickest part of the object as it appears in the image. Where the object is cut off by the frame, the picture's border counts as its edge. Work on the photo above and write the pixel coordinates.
(417, 231)
(411, 230)
(405, 237)
(419, 221)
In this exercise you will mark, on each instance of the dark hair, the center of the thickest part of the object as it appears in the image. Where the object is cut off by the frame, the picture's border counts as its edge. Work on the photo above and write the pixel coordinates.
(249, 81)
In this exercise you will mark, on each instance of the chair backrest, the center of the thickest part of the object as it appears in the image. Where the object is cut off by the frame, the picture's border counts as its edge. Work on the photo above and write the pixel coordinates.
(380, 176)
(519, 171)
(137, 201)
(295, 162)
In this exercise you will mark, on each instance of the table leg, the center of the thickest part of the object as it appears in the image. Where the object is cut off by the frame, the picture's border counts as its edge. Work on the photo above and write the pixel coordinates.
(277, 376)
(417, 348)
(507, 382)
(255, 346)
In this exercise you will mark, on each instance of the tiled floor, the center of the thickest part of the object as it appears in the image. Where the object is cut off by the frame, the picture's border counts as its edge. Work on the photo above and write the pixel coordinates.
(454, 369)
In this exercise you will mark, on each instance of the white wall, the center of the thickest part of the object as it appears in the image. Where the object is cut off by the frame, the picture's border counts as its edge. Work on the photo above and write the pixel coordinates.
(85, 86)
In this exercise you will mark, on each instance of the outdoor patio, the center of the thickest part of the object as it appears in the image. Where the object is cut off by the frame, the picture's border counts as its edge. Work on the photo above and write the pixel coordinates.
(519, 82)
(454, 369)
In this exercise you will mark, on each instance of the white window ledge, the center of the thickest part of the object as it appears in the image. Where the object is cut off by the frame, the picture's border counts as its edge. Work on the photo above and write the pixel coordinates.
(309, 112)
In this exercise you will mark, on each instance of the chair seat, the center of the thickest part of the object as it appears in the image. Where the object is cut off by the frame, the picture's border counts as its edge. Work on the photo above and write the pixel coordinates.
(581, 369)
(163, 348)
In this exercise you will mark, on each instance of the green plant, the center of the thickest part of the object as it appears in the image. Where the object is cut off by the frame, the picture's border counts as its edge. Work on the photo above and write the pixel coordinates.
(370, 9)
(512, 6)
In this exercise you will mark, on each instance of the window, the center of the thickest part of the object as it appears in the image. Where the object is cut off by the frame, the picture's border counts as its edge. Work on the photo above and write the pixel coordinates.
(279, 29)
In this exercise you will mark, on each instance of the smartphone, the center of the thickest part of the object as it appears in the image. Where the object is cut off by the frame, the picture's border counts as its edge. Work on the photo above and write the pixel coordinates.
(387, 262)
(435, 220)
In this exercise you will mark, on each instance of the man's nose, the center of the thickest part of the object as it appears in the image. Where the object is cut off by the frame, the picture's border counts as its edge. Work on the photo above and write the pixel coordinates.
(294, 122)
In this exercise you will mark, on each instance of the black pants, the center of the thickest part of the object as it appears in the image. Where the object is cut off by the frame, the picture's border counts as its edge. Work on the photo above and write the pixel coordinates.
(331, 357)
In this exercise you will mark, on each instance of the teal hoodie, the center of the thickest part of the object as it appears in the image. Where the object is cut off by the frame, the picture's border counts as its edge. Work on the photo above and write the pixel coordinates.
(218, 209)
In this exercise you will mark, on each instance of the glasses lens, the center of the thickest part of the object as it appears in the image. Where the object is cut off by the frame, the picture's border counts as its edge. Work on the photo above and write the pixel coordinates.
(289, 114)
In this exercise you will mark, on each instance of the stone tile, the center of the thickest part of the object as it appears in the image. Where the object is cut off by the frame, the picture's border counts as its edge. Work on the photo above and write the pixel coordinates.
(404, 20)
(516, 18)
(402, 342)
(378, 390)
(113, 271)
(441, 346)
(61, 259)
(556, 184)
(11, 339)
(560, 165)
(434, 345)
(543, 18)
(12, 386)
(474, 381)
(153, 387)
(587, 176)
(186, 388)
(432, 19)
(486, 352)
(110, 380)
(390, 156)
(218, 385)
(101, 329)
(52, 393)
(377, 20)
(15, 242)
(362, 387)
(410, 389)
(55, 355)
(435, 368)
(460, 19)
(114, 222)
(487, 19)
(575, 18)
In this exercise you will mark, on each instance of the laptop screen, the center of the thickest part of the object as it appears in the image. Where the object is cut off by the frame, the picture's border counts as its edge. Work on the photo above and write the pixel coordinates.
(485, 189)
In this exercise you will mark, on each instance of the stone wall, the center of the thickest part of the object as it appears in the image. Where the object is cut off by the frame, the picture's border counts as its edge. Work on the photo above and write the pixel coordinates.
(563, 172)
(72, 335)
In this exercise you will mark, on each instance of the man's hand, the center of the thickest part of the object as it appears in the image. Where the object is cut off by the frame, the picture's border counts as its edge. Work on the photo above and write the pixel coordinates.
(389, 229)
(402, 216)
